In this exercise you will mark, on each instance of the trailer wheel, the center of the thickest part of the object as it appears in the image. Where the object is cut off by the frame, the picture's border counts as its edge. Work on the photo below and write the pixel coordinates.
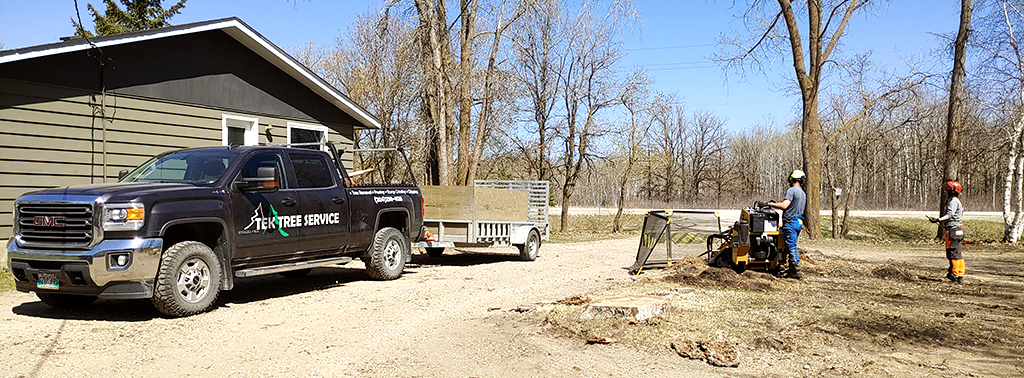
(66, 300)
(299, 273)
(434, 251)
(529, 251)
(387, 254)
(188, 281)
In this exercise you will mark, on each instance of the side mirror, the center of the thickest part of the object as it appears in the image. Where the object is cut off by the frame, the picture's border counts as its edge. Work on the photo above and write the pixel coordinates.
(264, 182)
(121, 174)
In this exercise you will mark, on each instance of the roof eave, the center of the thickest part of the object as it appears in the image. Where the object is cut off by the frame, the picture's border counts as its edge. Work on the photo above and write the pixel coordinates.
(237, 30)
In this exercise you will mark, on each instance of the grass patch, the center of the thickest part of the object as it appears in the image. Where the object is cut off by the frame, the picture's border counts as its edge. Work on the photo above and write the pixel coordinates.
(6, 280)
(910, 230)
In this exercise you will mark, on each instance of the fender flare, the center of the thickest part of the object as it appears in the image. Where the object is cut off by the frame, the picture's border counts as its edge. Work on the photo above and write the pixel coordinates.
(522, 233)
(223, 250)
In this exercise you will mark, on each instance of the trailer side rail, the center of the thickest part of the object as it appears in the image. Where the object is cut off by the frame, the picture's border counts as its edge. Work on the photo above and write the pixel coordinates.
(539, 203)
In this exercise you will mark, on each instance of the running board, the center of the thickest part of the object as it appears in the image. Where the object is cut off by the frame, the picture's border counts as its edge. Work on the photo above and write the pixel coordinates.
(291, 266)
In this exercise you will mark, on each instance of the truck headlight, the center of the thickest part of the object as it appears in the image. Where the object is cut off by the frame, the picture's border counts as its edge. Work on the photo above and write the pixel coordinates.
(123, 217)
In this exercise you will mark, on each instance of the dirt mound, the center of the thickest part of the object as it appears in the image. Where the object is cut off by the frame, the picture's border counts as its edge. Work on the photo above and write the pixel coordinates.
(574, 300)
(689, 266)
(892, 272)
(717, 353)
(724, 277)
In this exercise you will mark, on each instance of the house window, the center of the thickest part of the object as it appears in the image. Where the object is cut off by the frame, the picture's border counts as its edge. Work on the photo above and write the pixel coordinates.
(239, 131)
(303, 133)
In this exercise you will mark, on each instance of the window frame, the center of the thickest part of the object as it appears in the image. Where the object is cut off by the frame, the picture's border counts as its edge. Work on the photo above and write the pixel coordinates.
(251, 136)
(307, 126)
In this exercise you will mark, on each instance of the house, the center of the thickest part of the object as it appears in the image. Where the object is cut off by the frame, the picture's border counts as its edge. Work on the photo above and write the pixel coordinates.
(80, 111)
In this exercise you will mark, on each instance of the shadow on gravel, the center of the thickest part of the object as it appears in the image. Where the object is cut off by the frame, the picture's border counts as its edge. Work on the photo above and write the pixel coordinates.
(260, 288)
(135, 310)
(246, 290)
(467, 258)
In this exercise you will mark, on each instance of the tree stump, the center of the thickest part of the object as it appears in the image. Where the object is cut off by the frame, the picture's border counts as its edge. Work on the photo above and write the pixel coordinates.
(639, 308)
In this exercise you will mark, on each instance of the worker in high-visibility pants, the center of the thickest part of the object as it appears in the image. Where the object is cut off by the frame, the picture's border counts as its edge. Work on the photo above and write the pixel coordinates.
(953, 223)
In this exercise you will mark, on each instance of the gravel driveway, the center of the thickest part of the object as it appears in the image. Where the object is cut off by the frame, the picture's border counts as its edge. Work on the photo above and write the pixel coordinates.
(445, 317)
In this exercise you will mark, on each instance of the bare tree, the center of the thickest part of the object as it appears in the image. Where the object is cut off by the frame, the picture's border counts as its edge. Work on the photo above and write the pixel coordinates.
(471, 148)
(955, 114)
(1003, 67)
(808, 66)
(588, 88)
(437, 62)
(636, 101)
(538, 61)
(706, 142)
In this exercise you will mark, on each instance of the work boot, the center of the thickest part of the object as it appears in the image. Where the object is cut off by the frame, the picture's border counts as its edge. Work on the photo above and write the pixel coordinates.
(951, 277)
(794, 271)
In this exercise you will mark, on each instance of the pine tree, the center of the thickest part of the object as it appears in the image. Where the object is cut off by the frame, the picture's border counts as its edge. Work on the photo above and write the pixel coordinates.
(137, 15)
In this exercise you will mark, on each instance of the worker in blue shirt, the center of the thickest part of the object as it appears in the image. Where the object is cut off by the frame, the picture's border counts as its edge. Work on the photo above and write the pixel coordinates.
(792, 220)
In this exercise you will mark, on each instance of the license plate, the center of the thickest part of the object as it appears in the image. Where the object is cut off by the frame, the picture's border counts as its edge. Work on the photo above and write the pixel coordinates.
(47, 281)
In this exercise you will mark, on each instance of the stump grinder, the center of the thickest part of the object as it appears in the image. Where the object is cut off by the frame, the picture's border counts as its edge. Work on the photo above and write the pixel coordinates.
(752, 242)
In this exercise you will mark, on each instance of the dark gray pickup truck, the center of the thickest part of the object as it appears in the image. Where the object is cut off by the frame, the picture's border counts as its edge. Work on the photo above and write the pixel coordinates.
(182, 226)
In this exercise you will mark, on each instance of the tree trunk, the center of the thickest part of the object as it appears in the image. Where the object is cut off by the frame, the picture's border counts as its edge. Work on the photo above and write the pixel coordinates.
(468, 16)
(849, 198)
(483, 123)
(812, 166)
(617, 222)
(436, 60)
(955, 112)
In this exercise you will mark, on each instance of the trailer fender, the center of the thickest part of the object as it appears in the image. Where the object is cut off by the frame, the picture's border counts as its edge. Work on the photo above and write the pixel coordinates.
(521, 233)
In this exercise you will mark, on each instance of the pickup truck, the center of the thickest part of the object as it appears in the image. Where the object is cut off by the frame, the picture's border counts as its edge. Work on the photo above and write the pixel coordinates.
(182, 226)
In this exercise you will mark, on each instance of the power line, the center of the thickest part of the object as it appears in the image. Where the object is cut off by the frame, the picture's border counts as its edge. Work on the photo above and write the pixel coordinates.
(670, 47)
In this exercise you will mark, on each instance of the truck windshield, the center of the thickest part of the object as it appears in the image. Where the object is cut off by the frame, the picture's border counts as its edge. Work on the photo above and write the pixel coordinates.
(196, 167)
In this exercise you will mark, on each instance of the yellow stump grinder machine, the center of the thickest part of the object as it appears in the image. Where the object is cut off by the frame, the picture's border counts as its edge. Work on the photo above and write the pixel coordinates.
(752, 242)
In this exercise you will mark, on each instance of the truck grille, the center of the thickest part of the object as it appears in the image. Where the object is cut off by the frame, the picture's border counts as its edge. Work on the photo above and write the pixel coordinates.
(55, 224)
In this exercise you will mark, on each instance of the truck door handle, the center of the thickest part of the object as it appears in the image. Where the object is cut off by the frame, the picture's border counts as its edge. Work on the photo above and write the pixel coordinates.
(338, 200)
(288, 201)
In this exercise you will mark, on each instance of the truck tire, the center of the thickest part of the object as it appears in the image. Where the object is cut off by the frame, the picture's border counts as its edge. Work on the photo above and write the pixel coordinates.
(529, 251)
(188, 281)
(298, 273)
(434, 251)
(66, 300)
(387, 254)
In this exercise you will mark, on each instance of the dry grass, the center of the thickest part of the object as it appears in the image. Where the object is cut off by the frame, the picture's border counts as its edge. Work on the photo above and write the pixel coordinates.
(873, 308)
(582, 228)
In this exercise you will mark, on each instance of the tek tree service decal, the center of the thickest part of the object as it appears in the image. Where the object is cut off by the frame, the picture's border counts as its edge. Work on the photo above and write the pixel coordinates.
(261, 224)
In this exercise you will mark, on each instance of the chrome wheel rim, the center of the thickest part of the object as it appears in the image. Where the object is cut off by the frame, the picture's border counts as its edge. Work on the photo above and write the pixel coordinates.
(193, 280)
(392, 254)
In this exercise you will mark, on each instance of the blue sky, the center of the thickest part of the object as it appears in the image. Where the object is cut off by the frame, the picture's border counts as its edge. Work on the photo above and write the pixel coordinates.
(673, 43)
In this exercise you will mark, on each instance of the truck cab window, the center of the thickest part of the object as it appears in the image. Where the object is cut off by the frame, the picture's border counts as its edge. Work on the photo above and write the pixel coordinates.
(312, 171)
(252, 166)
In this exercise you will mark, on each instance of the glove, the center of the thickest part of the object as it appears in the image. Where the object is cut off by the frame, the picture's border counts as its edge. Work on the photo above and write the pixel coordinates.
(932, 219)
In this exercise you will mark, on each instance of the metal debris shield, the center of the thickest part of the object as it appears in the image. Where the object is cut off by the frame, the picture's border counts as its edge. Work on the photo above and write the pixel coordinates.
(687, 230)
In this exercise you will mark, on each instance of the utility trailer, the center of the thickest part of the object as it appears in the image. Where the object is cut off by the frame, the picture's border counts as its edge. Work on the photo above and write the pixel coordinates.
(526, 235)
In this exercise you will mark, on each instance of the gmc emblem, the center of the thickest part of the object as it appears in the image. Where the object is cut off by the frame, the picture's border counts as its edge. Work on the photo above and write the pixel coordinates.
(45, 221)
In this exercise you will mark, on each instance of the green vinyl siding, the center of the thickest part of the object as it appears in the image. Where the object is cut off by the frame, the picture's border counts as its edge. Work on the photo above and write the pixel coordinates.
(55, 136)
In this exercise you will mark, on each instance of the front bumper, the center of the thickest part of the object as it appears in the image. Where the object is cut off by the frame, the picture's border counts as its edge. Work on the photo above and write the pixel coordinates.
(88, 272)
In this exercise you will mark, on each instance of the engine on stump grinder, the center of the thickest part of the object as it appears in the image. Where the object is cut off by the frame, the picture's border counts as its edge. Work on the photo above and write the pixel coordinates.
(751, 243)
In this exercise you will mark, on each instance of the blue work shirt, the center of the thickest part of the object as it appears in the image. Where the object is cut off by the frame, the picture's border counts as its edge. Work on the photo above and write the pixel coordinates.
(797, 200)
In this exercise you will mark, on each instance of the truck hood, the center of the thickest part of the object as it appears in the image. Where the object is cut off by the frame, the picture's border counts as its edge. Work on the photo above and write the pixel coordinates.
(119, 192)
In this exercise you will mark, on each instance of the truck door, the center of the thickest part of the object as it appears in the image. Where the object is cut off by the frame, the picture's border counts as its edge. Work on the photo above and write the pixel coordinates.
(322, 203)
(264, 222)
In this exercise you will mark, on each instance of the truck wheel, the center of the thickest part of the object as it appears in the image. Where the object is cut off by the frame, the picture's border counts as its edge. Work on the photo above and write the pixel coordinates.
(66, 300)
(434, 251)
(529, 251)
(188, 281)
(299, 273)
(387, 254)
